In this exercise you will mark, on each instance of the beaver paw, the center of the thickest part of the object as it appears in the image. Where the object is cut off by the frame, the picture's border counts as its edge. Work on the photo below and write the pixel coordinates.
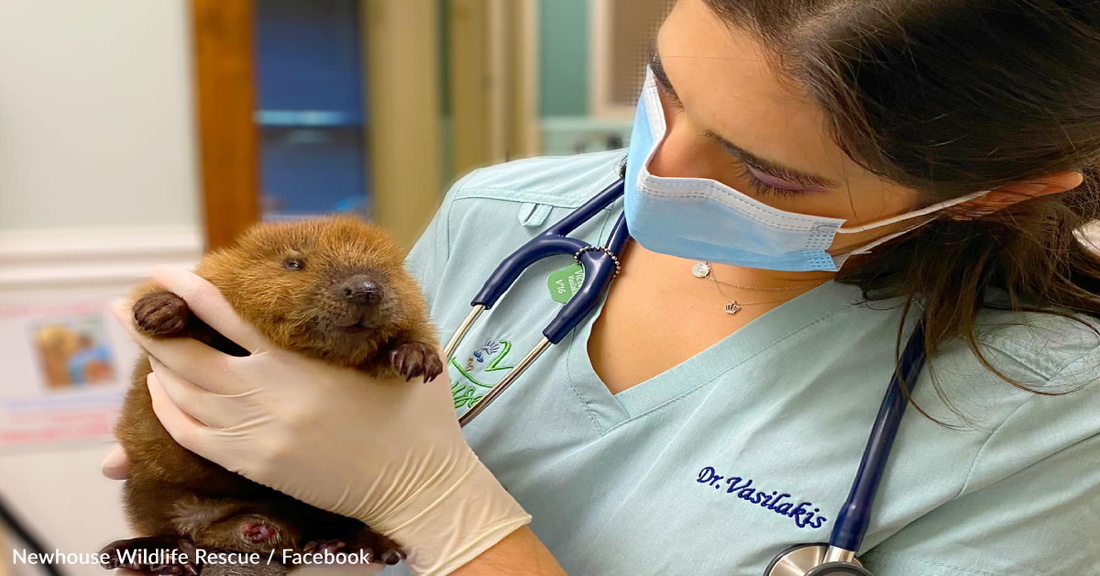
(322, 546)
(161, 555)
(162, 314)
(388, 552)
(334, 546)
(413, 359)
(391, 556)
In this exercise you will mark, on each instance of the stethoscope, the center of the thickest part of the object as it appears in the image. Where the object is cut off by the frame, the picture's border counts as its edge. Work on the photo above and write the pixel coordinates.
(601, 266)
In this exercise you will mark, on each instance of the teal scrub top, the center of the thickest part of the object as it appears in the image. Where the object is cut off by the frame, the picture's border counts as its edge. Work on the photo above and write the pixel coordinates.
(727, 459)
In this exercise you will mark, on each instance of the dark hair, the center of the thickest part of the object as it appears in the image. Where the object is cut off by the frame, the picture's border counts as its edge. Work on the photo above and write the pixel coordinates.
(949, 97)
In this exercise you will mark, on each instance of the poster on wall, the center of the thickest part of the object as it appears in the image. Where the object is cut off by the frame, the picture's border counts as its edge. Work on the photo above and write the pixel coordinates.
(66, 369)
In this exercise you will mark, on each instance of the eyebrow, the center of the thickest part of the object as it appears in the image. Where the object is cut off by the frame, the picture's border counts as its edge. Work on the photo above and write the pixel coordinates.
(770, 167)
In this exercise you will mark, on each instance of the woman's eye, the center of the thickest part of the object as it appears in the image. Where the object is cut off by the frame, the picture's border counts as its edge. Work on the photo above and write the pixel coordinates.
(294, 264)
(762, 186)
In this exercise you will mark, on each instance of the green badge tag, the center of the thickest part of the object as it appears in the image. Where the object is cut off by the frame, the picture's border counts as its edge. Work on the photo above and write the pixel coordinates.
(566, 282)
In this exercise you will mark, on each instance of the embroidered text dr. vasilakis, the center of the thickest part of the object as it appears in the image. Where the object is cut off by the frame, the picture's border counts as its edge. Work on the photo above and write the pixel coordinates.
(803, 514)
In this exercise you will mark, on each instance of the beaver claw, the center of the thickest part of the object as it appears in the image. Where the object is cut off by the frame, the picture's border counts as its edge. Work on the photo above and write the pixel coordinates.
(164, 556)
(391, 557)
(332, 547)
(413, 359)
(322, 546)
(390, 553)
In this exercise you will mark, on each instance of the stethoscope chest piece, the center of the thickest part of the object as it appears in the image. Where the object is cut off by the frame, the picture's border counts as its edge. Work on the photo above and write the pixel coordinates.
(839, 569)
(812, 560)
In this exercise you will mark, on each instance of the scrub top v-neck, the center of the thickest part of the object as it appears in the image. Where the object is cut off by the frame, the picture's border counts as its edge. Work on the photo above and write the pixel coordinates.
(611, 410)
(720, 463)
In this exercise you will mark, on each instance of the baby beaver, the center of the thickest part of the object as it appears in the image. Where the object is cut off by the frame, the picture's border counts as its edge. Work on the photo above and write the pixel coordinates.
(334, 289)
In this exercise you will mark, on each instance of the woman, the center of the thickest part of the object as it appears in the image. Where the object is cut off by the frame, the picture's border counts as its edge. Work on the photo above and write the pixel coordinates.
(701, 423)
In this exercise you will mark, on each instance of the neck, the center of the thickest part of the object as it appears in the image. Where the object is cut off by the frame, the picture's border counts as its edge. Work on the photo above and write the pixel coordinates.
(758, 278)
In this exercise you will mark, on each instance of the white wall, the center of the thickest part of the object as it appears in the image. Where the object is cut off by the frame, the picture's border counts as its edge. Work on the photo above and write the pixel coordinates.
(97, 182)
(96, 125)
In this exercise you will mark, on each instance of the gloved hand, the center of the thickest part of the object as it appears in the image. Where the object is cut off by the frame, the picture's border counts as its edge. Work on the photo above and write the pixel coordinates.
(116, 465)
(389, 453)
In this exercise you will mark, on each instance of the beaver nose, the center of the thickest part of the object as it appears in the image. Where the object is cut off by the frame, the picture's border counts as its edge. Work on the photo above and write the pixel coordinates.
(359, 290)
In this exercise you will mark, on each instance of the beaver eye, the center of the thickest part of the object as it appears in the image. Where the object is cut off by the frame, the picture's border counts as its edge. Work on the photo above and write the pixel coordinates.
(293, 263)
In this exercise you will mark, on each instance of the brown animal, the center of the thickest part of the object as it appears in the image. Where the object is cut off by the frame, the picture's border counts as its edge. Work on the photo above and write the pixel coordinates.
(335, 289)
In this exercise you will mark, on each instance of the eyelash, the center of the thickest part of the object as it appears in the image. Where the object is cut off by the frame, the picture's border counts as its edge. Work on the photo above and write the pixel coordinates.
(763, 188)
(758, 186)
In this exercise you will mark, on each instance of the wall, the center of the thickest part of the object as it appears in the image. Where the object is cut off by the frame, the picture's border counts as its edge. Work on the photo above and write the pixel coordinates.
(564, 57)
(565, 62)
(95, 115)
(97, 182)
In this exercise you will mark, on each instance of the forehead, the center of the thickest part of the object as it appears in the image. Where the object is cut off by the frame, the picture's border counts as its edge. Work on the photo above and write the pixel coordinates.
(730, 86)
(343, 236)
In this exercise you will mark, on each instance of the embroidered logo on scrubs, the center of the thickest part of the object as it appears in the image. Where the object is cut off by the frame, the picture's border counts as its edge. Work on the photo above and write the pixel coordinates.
(804, 514)
(476, 371)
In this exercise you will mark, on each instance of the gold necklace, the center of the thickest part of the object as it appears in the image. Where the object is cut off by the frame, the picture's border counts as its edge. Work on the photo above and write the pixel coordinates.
(733, 306)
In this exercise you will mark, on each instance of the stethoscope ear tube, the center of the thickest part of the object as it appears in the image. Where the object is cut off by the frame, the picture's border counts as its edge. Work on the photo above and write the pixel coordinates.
(505, 382)
(838, 557)
(855, 515)
(601, 266)
(553, 241)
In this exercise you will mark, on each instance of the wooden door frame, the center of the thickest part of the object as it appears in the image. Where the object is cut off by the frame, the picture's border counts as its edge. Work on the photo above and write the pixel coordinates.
(225, 102)
(401, 52)
(493, 55)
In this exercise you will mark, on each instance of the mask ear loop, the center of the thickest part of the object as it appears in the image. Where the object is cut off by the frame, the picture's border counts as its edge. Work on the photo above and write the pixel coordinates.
(866, 248)
(908, 215)
(839, 260)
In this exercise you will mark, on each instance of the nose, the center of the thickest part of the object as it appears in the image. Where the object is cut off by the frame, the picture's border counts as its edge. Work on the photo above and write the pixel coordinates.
(359, 290)
(684, 152)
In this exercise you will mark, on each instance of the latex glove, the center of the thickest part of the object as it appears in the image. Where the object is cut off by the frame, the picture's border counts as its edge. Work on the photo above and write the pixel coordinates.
(389, 453)
(116, 466)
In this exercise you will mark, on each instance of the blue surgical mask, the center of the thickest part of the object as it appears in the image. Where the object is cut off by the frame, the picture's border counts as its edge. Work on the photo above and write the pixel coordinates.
(703, 219)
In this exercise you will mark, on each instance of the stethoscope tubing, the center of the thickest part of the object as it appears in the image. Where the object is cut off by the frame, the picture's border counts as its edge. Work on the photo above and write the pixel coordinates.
(855, 514)
(838, 557)
(601, 266)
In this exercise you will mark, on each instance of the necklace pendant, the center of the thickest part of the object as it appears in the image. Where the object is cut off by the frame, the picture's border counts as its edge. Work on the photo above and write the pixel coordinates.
(701, 270)
(733, 308)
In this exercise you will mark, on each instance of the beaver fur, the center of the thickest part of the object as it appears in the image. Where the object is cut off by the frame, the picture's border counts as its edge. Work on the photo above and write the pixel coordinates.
(334, 289)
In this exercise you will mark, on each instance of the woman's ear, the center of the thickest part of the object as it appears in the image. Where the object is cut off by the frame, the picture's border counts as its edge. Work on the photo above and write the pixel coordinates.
(1006, 196)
